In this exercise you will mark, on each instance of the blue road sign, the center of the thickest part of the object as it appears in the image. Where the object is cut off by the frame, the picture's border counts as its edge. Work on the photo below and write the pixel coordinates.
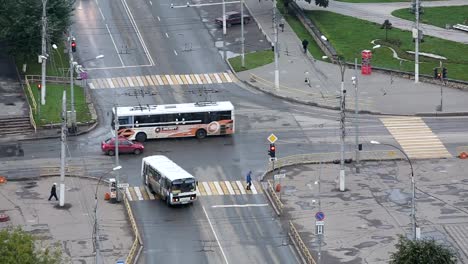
(319, 216)
(120, 262)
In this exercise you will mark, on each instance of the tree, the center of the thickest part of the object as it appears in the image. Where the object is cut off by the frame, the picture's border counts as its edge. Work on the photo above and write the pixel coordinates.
(386, 25)
(17, 246)
(321, 3)
(21, 24)
(425, 251)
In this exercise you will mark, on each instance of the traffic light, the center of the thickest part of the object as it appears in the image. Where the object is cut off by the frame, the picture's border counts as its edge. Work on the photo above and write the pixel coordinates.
(39, 86)
(73, 46)
(272, 150)
(444, 73)
(436, 73)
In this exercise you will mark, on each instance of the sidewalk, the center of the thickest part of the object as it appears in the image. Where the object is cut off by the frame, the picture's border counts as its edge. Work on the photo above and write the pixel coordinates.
(71, 226)
(378, 93)
(362, 224)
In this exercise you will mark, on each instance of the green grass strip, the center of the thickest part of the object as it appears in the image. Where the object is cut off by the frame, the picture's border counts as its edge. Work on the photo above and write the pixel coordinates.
(252, 60)
(437, 16)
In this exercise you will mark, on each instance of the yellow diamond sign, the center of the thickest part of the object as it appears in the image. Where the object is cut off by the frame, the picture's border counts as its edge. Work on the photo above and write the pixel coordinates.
(272, 138)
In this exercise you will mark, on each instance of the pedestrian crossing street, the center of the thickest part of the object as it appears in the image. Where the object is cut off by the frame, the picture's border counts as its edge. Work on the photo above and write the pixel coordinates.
(159, 80)
(415, 137)
(211, 188)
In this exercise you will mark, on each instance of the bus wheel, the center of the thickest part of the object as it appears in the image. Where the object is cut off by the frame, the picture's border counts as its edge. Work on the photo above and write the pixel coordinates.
(201, 133)
(110, 153)
(141, 137)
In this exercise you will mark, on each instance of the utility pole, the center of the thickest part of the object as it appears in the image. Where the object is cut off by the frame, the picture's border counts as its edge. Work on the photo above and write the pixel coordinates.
(242, 34)
(275, 45)
(342, 126)
(44, 52)
(356, 113)
(116, 142)
(62, 153)
(320, 210)
(73, 113)
(416, 49)
(224, 18)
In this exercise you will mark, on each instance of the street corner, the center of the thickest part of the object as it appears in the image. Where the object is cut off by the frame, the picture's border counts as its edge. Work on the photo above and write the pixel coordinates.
(72, 225)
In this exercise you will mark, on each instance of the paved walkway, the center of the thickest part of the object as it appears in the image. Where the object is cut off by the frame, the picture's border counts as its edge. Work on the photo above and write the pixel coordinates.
(362, 224)
(71, 226)
(378, 93)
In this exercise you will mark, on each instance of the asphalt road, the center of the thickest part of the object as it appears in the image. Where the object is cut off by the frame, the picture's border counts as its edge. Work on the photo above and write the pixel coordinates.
(160, 40)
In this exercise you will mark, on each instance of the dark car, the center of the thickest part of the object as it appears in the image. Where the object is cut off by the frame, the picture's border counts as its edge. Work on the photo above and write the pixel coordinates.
(125, 146)
(232, 18)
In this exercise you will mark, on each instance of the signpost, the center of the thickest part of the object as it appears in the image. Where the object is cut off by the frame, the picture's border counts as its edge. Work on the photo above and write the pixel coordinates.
(319, 223)
(123, 185)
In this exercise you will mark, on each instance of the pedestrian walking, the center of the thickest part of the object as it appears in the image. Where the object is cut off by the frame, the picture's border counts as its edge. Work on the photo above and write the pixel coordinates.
(53, 192)
(281, 25)
(305, 43)
(248, 179)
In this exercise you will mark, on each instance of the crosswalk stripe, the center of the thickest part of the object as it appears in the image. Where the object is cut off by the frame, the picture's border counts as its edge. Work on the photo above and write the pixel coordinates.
(199, 80)
(132, 194)
(144, 193)
(182, 78)
(140, 81)
(241, 187)
(207, 188)
(194, 80)
(253, 189)
(218, 188)
(217, 78)
(150, 194)
(125, 82)
(158, 79)
(109, 83)
(228, 78)
(174, 80)
(187, 78)
(120, 82)
(257, 187)
(207, 78)
(138, 193)
(179, 80)
(169, 80)
(102, 84)
(201, 188)
(213, 188)
(130, 82)
(149, 80)
(135, 81)
(229, 187)
(223, 78)
(129, 196)
(223, 186)
(91, 85)
(115, 82)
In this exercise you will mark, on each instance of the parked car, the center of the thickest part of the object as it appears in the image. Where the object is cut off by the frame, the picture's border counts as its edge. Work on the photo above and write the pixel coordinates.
(125, 146)
(232, 18)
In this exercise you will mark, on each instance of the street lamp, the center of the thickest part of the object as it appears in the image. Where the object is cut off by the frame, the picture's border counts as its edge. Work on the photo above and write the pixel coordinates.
(96, 228)
(413, 213)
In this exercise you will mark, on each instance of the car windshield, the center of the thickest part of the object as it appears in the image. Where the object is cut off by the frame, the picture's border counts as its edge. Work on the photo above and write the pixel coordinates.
(186, 185)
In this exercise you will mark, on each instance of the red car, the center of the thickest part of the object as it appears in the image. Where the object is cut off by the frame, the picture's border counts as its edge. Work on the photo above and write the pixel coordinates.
(125, 146)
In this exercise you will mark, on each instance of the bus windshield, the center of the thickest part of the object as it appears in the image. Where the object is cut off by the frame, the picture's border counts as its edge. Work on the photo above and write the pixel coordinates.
(185, 185)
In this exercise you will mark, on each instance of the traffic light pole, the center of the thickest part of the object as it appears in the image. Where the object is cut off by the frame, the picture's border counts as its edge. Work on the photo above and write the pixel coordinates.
(73, 113)
(43, 51)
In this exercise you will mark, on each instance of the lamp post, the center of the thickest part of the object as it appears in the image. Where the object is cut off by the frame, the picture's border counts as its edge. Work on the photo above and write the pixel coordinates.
(96, 227)
(413, 187)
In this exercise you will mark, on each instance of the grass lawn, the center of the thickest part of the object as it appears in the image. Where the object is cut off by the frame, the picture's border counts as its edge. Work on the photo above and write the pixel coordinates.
(252, 60)
(351, 35)
(50, 113)
(437, 16)
(57, 64)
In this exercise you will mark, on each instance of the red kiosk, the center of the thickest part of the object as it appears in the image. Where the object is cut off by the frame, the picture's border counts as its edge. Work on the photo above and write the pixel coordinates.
(366, 68)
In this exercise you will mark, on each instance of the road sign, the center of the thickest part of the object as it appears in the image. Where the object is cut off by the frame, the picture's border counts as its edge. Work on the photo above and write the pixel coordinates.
(319, 227)
(279, 176)
(272, 138)
(120, 262)
(83, 75)
(273, 159)
(320, 216)
(123, 185)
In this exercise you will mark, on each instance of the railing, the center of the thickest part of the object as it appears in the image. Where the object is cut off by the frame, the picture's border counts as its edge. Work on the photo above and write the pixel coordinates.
(137, 245)
(300, 245)
(461, 27)
(275, 200)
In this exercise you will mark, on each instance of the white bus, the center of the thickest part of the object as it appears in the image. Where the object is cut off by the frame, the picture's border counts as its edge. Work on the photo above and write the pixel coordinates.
(175, 120)
(168, 180)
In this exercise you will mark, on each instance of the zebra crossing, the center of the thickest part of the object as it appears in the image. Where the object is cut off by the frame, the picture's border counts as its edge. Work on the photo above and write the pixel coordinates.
(415, 137)
(160, 80)
(210, 188)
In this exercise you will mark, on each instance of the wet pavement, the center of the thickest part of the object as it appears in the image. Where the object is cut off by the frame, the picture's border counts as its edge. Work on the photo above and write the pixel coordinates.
(70, 226)
(362, 224)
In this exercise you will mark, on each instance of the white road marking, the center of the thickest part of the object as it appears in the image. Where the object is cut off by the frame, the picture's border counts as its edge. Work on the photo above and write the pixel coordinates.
(91, 85)
(169, 80)
(151, 3)
(189, 80)
(218, 188)
(229, 187)
(179, 80)
(226, 75)
(241, 187)
(167, 35)
(199, 81)
(216, 237)
(238, 205)
(150, 194)
(208, 79)
(111, 84)
(115, 45)
(218, 79)
(129, 196)
(207, 188)
(175, 52)
(138, 193)
(253, 189)
(160, 81)
(102, 15)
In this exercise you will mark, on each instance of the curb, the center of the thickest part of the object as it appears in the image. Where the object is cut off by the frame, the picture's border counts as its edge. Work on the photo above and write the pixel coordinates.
(90, 128)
